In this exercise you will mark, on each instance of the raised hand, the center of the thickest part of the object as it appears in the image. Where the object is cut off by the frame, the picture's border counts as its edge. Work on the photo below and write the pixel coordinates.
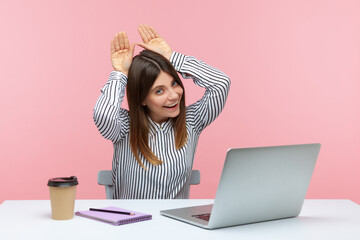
(152, 41)
(121, 53)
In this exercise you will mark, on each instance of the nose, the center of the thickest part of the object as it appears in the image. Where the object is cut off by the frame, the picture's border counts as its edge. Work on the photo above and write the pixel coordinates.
(173, 95)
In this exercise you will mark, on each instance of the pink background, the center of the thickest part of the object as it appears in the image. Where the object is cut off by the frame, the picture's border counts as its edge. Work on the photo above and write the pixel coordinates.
(294, 66)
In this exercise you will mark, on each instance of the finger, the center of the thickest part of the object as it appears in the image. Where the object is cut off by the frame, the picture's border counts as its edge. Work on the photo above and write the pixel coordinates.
(147, 32)
(143, 45)
(116, 40)
(132, 49)
(154, 32)
(142, 34)
(126, 41)
(112, 46)
(122, 41)
(150, 32)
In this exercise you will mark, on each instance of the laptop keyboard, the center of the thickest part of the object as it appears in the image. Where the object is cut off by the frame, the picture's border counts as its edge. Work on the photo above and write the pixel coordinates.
(205, 216)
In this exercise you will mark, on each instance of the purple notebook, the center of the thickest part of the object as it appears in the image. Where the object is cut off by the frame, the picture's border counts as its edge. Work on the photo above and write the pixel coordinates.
(114, 218)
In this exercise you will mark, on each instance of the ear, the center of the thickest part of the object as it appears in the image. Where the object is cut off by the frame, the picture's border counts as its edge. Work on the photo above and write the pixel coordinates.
(144, 103)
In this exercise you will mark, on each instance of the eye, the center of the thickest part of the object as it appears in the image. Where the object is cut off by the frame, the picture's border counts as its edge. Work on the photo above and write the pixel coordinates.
(174, 83)
(159, 91)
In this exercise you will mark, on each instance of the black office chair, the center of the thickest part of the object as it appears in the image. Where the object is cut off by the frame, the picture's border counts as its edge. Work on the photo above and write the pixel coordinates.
(104, 178)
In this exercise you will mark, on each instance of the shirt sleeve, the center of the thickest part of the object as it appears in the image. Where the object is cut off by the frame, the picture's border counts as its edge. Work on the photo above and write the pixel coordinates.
(111, 120)
(215, 82)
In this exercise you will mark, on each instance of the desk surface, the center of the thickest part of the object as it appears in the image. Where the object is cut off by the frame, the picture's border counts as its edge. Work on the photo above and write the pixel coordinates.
(319, 219)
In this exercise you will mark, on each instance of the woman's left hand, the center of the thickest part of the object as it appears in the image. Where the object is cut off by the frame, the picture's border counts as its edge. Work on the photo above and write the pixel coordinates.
(153, 42)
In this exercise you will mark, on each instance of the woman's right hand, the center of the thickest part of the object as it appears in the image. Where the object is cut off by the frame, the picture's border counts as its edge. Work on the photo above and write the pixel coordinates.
(121, 53)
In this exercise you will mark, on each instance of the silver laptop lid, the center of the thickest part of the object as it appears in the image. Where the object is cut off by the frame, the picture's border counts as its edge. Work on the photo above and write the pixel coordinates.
(264, 183)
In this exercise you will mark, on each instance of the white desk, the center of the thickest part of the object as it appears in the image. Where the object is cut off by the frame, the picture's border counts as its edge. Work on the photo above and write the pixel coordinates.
(319, 219)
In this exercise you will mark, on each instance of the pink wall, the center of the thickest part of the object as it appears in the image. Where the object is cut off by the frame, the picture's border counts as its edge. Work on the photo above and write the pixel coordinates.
(294, 65)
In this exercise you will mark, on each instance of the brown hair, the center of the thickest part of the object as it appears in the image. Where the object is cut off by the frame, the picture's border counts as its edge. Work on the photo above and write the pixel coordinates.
(143, 72)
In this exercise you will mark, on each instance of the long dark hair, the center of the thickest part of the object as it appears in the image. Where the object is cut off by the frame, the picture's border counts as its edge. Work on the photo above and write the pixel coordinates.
(144, 70)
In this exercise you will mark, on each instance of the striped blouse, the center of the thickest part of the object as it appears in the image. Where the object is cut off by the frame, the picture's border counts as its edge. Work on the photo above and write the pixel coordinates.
(171, 178)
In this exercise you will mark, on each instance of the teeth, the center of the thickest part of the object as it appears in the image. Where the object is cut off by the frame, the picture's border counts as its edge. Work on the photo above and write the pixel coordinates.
(172, 105)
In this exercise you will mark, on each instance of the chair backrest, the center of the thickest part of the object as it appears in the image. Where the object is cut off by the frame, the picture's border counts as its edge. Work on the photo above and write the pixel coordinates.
(104, 178)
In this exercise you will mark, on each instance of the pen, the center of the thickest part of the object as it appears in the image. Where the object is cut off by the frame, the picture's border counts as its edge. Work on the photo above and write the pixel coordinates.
(111, 211)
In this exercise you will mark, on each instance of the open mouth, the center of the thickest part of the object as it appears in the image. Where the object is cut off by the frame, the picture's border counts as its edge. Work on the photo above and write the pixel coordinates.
(174, 105)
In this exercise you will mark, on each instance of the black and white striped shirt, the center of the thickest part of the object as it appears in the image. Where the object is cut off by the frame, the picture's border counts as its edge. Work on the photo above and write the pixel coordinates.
(171, 178)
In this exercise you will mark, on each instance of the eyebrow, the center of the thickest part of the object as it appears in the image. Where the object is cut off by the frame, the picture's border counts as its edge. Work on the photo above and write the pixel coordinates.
(156, 87)
(161, 86)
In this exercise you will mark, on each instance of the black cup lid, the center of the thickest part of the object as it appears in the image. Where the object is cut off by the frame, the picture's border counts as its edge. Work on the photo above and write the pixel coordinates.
(63, 182)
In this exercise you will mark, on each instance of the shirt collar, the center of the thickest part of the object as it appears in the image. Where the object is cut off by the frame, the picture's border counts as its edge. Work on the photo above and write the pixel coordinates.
(156, 127)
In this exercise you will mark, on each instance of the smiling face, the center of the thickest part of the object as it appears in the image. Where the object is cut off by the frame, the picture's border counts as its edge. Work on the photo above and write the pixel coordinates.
(163, 99)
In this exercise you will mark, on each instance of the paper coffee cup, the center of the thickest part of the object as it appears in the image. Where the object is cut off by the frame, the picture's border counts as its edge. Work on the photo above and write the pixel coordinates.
(62, 197)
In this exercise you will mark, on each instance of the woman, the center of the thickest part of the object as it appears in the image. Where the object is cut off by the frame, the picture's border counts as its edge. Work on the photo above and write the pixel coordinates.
(155, 141)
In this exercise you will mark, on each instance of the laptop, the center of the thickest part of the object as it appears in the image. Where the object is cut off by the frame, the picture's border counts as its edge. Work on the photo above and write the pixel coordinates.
(257, 184)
